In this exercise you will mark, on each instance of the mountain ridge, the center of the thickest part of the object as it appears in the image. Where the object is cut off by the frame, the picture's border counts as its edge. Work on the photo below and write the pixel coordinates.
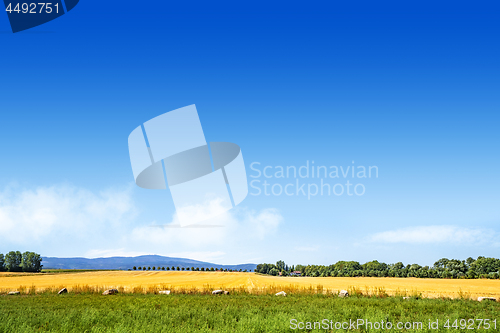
(125, 263)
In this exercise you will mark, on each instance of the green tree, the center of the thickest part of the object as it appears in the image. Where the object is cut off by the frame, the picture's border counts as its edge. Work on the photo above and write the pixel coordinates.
(178, 268)
(300, 268)
(31, 262)
(134, 268)
(280, 265)
(484, 266)
(469, 261)
(2, 262)
(13, 261)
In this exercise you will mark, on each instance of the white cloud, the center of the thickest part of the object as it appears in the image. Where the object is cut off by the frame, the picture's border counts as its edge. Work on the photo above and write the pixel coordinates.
(263, 223)
(68, 221)
(435, 234)
(31, 215)
(236, 224)
(200, 213)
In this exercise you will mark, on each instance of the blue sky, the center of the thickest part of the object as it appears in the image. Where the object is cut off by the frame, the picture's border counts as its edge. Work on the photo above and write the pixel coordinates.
(410, 88)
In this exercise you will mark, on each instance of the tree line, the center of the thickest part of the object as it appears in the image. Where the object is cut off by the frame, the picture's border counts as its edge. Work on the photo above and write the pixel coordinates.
(15, 261)
(203, 269)
(470, 268)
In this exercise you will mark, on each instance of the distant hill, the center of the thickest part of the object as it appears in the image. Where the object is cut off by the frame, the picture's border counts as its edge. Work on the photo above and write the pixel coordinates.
(124, 263)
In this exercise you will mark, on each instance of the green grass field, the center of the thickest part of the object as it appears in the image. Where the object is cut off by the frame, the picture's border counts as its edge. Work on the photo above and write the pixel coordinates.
(233, 313)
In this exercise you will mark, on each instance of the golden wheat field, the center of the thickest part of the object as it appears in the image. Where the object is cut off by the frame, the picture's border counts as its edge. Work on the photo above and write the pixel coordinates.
(149, 281)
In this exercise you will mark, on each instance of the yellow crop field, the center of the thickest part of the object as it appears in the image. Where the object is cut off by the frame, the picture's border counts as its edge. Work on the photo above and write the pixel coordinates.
(144, 281)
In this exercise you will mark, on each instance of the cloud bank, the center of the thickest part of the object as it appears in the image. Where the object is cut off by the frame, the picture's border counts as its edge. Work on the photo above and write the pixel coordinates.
(435, 234)
(65, 220)
(31, 215)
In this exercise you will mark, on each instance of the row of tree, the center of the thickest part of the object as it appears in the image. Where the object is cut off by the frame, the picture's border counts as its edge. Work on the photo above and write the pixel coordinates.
(203, 269)
(470, 268)
(15, 261)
